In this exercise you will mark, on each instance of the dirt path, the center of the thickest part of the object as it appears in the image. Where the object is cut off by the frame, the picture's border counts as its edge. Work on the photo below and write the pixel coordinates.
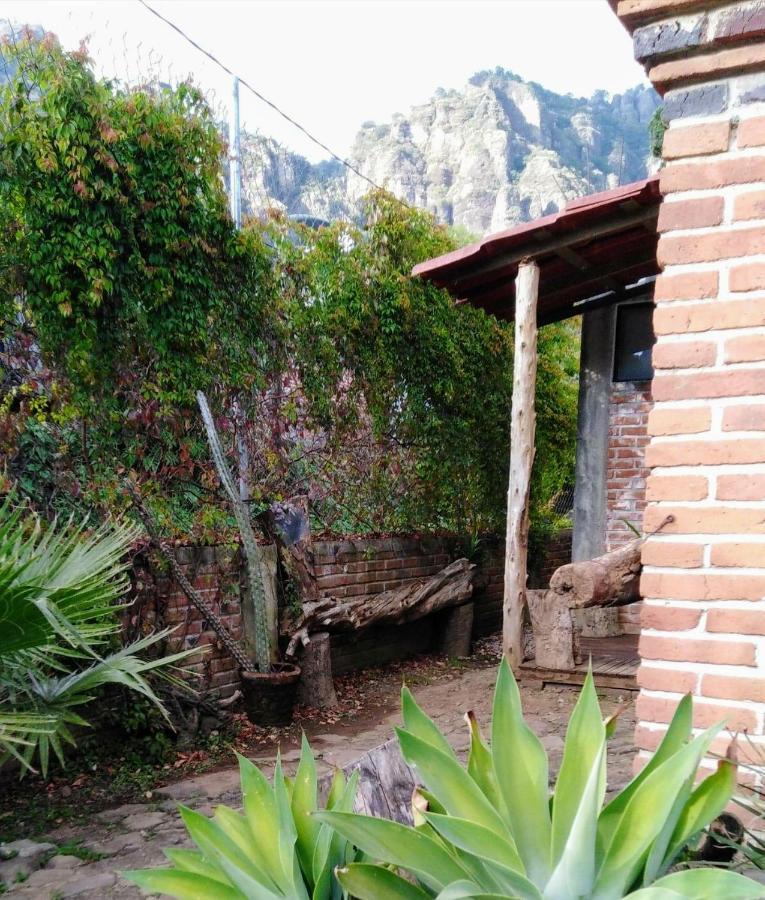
(133, 835)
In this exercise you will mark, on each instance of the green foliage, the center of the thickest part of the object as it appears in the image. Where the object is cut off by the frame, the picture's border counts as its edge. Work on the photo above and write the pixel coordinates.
(57, 611)
(491, 829)
(275, 849)
(656, 128)
(126, 289)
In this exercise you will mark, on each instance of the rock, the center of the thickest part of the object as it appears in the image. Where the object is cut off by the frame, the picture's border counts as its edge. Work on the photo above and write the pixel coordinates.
(21, 858)
(497, 152)
(144, 821)
(91, 885)
(62, 862)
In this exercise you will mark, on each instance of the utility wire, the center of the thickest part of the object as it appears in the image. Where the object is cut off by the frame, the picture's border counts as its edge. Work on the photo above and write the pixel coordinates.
(260, 96)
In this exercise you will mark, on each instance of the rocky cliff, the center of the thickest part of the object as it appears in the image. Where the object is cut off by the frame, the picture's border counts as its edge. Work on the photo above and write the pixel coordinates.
(497, 152)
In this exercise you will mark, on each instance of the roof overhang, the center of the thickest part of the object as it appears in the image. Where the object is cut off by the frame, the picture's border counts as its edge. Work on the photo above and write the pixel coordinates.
(592, 252)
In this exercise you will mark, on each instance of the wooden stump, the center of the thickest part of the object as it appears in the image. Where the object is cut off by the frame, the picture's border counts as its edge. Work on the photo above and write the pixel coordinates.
(455, 630)
(316, 688)
(553, 630)
(386, 784)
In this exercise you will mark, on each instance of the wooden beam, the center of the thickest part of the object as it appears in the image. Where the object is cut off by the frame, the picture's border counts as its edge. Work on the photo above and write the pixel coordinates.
(522, 428)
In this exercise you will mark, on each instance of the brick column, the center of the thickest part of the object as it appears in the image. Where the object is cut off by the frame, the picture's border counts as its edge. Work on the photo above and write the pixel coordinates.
(704, 577)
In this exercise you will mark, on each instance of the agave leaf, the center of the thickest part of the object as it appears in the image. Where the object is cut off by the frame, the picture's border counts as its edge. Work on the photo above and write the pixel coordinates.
(194, 861)
(239, 868)
(677, 735)
(574, 874)
(450, 783)
(466, 890)
(421, 725)
(304, 802)
(287, 833)
(477, 839)
(520, 762)
(645, 815)
(336, 789)
(398, 845)
(706, 883)
(480, 766)
(706, 803)
(370, 882)
(186, 885)
(262, 817)
(582, 774)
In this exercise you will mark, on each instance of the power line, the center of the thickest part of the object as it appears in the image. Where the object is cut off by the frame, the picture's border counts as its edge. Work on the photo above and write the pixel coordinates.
(260, 96)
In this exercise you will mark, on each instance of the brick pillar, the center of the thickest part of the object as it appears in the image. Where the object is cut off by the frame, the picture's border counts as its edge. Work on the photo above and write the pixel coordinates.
(704, 577)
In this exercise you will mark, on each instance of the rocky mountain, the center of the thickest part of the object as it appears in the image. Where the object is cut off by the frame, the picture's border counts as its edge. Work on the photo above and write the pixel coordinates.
(499, 151)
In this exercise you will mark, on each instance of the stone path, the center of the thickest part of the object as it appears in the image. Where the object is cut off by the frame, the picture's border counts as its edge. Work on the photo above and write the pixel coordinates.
(132, 836)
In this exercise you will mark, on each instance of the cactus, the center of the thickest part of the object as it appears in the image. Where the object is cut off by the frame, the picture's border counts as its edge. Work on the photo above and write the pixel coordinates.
(251, 550)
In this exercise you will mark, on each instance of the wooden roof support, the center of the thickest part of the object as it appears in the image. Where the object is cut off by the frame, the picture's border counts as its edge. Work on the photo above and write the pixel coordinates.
(522, 428)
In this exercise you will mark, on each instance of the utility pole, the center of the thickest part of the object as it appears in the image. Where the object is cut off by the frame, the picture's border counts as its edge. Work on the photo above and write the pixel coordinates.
(235, 163)
(235, 204)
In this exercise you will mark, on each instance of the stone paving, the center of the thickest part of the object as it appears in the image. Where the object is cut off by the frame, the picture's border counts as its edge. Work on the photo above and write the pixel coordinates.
(133, 835)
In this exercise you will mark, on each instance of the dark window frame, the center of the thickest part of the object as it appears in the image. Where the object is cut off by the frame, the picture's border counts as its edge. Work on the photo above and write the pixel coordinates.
(633, 334)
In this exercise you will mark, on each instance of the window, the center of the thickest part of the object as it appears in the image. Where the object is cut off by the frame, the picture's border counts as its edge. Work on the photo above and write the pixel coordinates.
(634, 342)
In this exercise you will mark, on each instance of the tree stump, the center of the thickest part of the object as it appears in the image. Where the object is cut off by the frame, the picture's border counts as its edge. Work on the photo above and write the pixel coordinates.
(455, 630)
(316, 688)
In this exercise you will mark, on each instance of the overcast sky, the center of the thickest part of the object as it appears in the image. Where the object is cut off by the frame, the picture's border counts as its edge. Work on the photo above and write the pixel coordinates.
(332, 64)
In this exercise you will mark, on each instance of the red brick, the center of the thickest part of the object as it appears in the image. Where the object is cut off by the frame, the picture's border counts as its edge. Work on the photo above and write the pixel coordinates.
(661, 709)
(705, 520)
(749, 206)
(696, 140)
(687, 318)
(712, 246)
(684, 649)
(741, 487)
(637, 11)
(751, 132)
(688, 286)
(729, 687)
(735, 621)
(699, 67)
(707, 385)
(690, 214)
(749, 417)
(707, 175)
(684, 354)
(747, 277)
(739, 553)
(679, 420)
(690, 586)
(745, 348)
(662, 553)
(670, 680)
(705, 453)
(677, 487)
(669, 618)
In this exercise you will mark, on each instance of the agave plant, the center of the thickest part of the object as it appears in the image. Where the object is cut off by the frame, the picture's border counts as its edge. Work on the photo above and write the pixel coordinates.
(277, 849)
(492, 830)
(58, 593)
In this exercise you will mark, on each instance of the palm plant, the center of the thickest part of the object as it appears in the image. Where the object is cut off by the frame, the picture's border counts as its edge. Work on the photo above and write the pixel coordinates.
(276, 850)
(59, 590)
(492, 830)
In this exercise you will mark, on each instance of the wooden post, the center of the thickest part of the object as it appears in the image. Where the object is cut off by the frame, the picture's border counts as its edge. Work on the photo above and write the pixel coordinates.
(522, 426)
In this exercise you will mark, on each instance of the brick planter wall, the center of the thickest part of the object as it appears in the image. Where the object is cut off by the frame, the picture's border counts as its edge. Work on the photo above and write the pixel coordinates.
(704, 575)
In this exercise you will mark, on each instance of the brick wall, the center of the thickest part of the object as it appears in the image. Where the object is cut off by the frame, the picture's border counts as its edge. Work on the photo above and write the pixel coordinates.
(368, 566)
(628, 409)
(704, 575)
(156, 598)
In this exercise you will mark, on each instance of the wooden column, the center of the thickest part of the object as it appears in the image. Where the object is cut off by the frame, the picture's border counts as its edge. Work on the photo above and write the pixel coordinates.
(522, 426)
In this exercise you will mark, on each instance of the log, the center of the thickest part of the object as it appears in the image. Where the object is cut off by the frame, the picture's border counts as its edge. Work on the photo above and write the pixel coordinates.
(316, 688)
(522, 427)
(386, 784)
(609, 580)
(451, 586)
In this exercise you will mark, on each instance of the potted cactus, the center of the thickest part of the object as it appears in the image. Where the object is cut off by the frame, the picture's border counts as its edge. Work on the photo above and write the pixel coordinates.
(269, 686)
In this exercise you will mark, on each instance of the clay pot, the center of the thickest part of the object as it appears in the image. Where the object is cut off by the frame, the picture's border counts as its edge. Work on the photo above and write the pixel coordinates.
(269, 697)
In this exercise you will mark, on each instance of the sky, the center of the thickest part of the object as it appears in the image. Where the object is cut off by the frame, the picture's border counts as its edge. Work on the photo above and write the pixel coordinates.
(333, 64)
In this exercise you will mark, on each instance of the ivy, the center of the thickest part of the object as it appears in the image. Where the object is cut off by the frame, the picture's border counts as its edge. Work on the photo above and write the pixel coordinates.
(125, 288)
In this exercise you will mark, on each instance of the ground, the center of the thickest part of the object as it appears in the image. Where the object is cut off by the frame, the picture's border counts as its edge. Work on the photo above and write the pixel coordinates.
(132, 835)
